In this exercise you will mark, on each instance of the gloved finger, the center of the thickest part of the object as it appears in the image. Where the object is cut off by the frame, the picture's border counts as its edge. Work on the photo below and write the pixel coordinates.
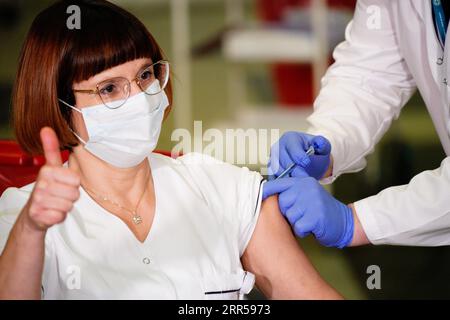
(293, 214)
(279, 159)
(296, 150)
(321, 145)
(287, 198)
(274, 168)
(304, 227)
(285, 159)
(276, 186)
(318, 166)
(273, 163)
(270, 171)
(299, 172)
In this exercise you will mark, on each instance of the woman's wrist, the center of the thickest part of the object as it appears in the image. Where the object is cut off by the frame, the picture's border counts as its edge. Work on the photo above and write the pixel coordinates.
(359, 235)
(27, 227)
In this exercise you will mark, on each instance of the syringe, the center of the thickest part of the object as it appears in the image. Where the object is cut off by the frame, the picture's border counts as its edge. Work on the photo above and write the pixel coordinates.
(309, 152)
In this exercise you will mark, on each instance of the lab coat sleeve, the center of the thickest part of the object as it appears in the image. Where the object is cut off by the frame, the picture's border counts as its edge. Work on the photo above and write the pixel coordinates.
(416, 214)
(364, 90)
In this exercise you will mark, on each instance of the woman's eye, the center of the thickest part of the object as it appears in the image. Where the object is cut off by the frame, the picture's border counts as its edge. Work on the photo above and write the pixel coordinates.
(108, 89)
(146, 75)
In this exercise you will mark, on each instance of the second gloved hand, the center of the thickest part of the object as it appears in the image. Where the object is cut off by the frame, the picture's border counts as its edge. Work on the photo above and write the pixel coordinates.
(309, 208)
(292, 147)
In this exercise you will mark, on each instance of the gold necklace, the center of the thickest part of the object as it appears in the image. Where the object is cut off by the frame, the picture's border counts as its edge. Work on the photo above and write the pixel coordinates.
(136, 218)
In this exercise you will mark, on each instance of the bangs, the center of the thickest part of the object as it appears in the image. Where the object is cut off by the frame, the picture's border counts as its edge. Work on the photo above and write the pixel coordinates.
(109, 36)
(107, 40)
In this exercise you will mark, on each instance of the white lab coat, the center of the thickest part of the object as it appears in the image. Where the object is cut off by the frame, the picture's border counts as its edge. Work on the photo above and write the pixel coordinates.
(376, 72)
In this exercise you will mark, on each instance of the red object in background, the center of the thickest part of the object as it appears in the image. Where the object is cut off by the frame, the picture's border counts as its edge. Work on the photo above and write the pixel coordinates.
(293, 82)
(18, 169)
(272, 10)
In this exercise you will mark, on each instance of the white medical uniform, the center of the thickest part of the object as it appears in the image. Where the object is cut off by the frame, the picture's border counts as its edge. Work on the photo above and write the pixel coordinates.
(206, 212)
(391, 48)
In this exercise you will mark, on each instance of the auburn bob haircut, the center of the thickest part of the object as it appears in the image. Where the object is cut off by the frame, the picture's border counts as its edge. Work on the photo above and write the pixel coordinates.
(55, 57)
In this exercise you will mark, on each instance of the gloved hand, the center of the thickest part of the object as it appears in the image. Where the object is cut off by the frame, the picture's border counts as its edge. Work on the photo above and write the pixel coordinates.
(309, 208)
(292, 147)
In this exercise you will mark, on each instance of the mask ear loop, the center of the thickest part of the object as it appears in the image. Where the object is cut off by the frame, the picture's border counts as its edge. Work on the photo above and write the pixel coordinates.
(76, 109)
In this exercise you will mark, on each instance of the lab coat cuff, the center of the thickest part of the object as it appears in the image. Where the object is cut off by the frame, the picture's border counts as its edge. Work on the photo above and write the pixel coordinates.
(336, 171)
(369, 222)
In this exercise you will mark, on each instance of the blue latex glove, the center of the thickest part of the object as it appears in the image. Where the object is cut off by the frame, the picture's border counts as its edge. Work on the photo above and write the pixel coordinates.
(292, 147)
(309, 208)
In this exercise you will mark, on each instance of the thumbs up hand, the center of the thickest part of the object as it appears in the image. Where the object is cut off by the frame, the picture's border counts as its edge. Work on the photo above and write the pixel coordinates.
(56, 188)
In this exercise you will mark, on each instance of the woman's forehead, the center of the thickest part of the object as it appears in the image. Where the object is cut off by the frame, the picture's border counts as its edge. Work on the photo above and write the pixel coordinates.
(127, 70)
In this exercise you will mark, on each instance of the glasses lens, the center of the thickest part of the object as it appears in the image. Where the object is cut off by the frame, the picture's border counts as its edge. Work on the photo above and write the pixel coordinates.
(114, 92)
(154, 79)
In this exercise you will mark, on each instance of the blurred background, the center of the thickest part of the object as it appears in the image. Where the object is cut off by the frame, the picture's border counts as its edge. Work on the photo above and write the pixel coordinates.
(257, 64)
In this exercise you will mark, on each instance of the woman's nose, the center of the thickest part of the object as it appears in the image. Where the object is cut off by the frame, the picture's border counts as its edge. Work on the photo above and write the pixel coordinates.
(135, 88)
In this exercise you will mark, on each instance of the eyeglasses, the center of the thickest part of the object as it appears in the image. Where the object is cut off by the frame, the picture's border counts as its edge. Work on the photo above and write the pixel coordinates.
(116, 91)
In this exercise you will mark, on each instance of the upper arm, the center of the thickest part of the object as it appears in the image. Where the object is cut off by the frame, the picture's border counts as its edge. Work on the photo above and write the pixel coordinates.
(281, 268)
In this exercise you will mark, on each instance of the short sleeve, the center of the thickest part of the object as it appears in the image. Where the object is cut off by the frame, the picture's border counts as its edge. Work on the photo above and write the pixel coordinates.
(231, 190)
(249, 204)
(11, 203)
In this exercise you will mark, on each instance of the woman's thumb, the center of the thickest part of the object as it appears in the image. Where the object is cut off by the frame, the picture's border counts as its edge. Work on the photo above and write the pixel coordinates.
(50, 144)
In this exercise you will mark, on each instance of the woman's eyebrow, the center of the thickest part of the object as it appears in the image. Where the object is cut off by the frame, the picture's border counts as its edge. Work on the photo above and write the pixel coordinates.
(104, 78)
(145, 66)
(109, 77)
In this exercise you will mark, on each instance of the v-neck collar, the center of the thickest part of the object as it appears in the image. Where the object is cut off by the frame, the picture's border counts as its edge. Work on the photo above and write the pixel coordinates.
(119, 225)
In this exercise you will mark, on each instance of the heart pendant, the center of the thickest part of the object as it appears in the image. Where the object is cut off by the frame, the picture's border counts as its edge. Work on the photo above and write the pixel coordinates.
(137, 219)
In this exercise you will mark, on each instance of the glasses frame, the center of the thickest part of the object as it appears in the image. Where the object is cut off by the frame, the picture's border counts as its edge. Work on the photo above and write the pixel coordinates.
(136, 79)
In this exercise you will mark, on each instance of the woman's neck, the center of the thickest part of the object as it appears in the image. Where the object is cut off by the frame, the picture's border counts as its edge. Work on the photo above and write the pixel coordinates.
(126, 184)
